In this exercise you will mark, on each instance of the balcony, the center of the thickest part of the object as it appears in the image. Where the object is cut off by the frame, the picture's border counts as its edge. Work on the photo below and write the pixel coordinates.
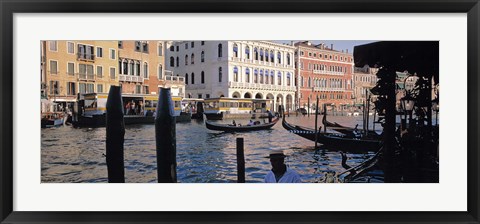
(259, 86)
(175, 79)
(130, 78)
(327, 72)
(86, 77)
(85, 57)
(195, 86)
(318, 89)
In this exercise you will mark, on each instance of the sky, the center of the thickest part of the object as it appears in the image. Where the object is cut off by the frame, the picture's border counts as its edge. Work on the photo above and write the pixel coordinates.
(338, 45)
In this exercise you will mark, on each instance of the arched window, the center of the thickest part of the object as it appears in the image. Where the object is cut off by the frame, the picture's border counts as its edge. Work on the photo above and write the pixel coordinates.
(288, 79)
(266, 74)
(247, 52)
(202, 77)
(261, 76)
(178, 62)
(160, 49)
(279, 58)
(272, 56)
(145, 70)
(125, 67)
(202, 56)
(132, 69)
(160, 71)
(255, 51)
(255, 76)
(137, 68)
(235, 74)
(186, 78)
(220, 50)
(261, 54)
(235, 50)
(186, 59)
(219, 74)
(172, 62)
(193, 78)
(279, 78)
(192, 58)
(272, 74)
(288, 59)
(247, 75)
(266, 55)
(309, 82)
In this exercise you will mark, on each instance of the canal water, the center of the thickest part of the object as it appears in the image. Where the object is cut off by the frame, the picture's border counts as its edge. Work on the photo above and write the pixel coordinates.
(72, 155)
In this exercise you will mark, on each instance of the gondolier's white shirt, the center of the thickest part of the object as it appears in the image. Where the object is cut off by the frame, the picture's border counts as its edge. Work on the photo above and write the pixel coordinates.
(290, 176)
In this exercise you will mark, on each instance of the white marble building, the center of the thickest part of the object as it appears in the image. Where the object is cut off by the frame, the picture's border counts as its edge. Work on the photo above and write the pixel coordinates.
(235, 69)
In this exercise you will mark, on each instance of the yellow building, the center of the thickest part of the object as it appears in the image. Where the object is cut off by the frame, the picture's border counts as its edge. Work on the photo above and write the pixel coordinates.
(142, 68)
(72, 67)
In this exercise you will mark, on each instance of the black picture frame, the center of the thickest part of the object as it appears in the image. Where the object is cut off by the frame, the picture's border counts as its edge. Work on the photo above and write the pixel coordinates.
(10, 7)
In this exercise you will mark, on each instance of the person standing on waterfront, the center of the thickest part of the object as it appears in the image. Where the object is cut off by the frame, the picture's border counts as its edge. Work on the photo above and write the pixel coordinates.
(270, 116)
(280, 173)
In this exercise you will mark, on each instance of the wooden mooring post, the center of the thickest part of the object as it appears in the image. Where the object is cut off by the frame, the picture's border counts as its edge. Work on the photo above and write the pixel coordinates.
(240, 161)
(165, 137)
(115, 127)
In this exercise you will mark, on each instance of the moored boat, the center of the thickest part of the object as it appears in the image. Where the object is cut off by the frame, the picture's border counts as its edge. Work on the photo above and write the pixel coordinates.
(334, 141)
(52, 119)
(240, 128)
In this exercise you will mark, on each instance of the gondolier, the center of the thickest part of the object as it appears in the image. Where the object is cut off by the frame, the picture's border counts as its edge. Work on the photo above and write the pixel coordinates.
(280, 173)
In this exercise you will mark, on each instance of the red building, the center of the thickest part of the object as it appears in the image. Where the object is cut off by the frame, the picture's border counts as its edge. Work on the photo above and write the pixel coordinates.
(323, 72)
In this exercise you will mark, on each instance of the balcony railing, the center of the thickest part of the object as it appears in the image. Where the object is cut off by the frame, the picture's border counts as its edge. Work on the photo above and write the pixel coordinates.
(327, 72)
(130, 78)
(260, 86)
(86, 77)
(175, 79)
(85, 57)
(196, 86)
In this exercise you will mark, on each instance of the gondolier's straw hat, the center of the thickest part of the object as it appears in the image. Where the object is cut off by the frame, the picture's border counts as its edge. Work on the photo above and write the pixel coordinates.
(276, 154)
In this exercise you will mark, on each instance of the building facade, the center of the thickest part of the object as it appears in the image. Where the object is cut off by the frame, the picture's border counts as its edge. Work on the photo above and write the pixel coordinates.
(141, 66)
(235, 69)
(324, 73)
(72, 67)
(364, 79)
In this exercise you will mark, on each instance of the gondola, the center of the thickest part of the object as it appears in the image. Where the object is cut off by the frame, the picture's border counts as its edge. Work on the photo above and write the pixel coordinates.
(349, 131)
(240, 128)
(334, 141)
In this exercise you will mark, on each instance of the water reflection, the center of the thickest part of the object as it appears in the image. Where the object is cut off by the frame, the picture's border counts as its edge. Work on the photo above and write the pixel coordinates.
(77, 155)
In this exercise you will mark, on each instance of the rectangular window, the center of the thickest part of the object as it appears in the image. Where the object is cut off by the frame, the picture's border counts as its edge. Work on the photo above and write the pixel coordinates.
(160, 50)
(199, 96)
(145, 47)
(54, 87)
(70, 68)
(90, 88)
(146, 90)
(53, 67)
(52, 45)
(207, 96)
(99, 52)
(71, 88)
(82, 88)
(186, 45)
(85, 52)
(99, 88)
(113, 55)
(203, 43)
(70, 48)
(138, 46)
(178, 48)
(192, 44)
(99, 71)
(112, 73)
(138, 89)
(85, 71)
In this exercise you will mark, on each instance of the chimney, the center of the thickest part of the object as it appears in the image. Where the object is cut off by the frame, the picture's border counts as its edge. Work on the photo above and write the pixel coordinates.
(309, 43)
(331, 46)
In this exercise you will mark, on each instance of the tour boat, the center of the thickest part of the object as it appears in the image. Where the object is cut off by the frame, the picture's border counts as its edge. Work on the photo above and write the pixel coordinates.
(225, 108)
